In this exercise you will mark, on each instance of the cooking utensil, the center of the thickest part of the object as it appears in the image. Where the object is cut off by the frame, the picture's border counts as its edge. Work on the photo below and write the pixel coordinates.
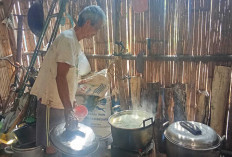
(127, 132)
(74, 143)
(192, 139)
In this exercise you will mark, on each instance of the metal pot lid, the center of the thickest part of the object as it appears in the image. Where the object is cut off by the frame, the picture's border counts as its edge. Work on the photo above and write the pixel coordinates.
(80, 142)
(200, 137)
(131, 119)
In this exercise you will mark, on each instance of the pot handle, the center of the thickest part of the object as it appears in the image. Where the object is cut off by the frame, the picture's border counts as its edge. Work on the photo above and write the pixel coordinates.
(8, 150)
(144, 121)
(191, 128)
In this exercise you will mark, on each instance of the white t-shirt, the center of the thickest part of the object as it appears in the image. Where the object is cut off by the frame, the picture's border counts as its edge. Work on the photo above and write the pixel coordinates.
(65, 49)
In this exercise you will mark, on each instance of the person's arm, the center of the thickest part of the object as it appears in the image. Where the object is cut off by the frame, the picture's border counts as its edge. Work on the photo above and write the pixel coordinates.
(62, 84)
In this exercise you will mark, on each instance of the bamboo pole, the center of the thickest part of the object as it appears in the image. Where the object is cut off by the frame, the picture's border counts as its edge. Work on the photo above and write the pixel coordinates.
(219, 102)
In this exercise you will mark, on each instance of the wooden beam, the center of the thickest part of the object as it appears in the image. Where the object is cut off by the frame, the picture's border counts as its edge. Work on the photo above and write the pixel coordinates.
(188, 58)
(179, 58)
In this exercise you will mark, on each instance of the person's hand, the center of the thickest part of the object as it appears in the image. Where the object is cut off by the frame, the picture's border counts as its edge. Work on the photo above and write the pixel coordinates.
(71, 120)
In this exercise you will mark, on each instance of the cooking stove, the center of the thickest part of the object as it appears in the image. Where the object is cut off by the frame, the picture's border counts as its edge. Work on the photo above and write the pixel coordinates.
(108, 149)
(123, 152)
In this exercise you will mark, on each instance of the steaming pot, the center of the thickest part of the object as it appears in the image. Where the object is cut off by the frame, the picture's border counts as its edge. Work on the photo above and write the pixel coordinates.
(132, 129)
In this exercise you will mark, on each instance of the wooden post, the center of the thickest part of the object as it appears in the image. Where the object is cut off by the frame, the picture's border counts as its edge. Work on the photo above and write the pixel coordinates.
(150, 96)
(219, 102)
(179, 95)
(169, 104)
(12, 42)
(135, 84)
(121, 86)
(116, 19)
(229, 133)
(202, 109)
(19, 39)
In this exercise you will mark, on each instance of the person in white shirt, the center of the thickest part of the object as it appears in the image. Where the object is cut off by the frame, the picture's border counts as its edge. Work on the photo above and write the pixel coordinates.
(56, 84)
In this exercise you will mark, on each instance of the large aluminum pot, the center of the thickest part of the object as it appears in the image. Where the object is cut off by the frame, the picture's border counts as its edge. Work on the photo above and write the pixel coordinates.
(191, 139)
(132, 129)
(29, 150)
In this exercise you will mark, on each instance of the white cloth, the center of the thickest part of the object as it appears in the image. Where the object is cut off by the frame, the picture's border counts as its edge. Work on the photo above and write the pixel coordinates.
(65, 49)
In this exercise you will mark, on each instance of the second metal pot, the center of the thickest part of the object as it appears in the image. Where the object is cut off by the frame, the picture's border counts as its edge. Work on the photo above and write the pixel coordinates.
(132, 129)
(191, 139)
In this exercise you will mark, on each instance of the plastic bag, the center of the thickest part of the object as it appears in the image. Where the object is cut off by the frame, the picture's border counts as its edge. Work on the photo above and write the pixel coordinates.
(95, 84)
(83, 65)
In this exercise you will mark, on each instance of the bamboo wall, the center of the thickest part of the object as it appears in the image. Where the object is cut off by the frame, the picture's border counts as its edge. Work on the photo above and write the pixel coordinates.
(174, 27)
(5, 49)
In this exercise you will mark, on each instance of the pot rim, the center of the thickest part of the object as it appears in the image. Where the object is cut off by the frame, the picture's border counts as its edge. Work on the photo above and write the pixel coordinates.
(191, 148)
(131, 129)
(26, 149)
